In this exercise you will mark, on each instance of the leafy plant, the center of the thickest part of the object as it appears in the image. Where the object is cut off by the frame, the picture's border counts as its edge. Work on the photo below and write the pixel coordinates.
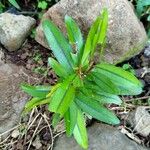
(83, 86)
(129, 68)
(143, 12)
(42, 4)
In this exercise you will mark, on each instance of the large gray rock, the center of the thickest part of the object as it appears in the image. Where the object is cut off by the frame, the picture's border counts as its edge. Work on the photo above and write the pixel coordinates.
(12, 98)
(101, 137)
(14, 29)
(126, 35)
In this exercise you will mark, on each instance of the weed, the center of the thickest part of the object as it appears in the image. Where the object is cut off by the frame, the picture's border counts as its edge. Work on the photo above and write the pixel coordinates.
(83, 86)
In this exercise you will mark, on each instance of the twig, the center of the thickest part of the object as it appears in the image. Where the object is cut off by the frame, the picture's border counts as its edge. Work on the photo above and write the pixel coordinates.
(34, 133)
(10, 130)
(45, 118)
(140, 98)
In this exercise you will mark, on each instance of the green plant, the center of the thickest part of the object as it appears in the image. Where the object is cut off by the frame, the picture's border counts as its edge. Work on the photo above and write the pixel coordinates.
(1, 7)
(42, 4)
(143, 12)
(129, 68)
(14, 3)
(83, 86)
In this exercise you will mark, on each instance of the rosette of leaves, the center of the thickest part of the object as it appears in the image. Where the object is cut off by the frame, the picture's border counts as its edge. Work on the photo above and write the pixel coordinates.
(84, 88)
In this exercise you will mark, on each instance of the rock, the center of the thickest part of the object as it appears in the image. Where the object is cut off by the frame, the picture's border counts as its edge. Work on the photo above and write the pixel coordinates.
(126, 35)
(15, 133)
(140, 120)
(14, 29)
(1, 56)
(101, 137)
(147, 51)
(37, 143)
(12, 98)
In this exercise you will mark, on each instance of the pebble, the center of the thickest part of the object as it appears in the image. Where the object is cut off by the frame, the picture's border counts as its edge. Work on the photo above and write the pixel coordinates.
(147, 51)
(15, 133)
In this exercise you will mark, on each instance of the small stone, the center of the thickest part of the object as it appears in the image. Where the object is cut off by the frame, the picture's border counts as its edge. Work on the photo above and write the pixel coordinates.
(24, 56)
(19, 146)
(15, 133)
(140, 120)
(37, 143)
(147, 51)
(14, 29)
(1, 56)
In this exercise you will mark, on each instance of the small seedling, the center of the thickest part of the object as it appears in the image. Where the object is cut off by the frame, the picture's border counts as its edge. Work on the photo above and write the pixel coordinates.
(42, 5)
(129, 68)
(83, 86)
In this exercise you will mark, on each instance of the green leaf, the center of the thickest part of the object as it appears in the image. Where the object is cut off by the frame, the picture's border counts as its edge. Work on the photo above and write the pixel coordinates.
(15, 4)
(78, 82)
(75, 36)
(59, 70)
(36, 91)
(55, 120)
(97, 111)
(1, 7)
(101, 96)
(42, 4)
(148, 18)
(103, 28)
(80, 133)
(67, 99)
(107, 98)
(71, 119)
(97, 35)
(59, 45)
(34, 102)
(62, 97)
(126, 82)
(103, 82)
(91, 41)
(103, 32)
(141, 6)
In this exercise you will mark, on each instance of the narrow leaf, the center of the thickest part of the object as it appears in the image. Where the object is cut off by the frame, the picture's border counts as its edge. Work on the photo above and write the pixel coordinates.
(91, 41)
(126, 82)
(80, 133)
(75, 36)
(59, 70)
(55, 120)
(103, 28)
(107, 98)
(103, 82)
(15, 4)
(36, 91)
(100, 96)
(97, 111)
(62, 97)
(71, 119)
(34, 102)
(59, 45)
(67, 99)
